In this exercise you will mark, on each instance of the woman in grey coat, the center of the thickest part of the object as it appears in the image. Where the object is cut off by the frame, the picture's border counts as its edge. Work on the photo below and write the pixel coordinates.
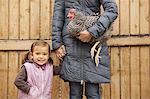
(78, 68)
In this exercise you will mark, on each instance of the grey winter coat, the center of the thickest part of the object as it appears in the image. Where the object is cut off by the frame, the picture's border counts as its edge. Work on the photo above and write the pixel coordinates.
(78, 64)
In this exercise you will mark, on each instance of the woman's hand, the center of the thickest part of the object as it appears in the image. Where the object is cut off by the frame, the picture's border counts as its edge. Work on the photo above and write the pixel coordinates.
(85, 36)
(60, 52)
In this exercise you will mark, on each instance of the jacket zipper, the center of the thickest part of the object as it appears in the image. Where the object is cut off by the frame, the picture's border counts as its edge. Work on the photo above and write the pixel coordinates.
(82, 67)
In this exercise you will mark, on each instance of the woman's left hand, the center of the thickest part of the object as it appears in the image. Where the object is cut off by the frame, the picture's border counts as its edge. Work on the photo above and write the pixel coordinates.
(85, 36)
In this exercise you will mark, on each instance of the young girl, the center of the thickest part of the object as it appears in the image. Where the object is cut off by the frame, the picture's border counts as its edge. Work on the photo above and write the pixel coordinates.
(34, 81)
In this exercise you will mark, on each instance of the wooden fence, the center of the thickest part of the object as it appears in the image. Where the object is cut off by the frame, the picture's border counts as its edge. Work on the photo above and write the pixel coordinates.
(24, 21)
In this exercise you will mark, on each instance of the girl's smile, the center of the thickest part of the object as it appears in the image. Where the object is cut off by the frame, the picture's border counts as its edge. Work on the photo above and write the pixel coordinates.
(40, 54)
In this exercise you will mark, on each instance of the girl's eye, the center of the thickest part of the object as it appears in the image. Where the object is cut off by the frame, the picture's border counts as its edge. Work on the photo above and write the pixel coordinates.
(37, 53)
(45, 54)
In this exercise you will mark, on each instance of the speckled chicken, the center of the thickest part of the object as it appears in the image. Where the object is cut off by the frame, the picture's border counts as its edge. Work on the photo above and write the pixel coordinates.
(80, 22)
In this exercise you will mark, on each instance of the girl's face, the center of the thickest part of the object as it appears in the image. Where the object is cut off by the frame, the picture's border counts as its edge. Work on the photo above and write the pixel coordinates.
(40, 54)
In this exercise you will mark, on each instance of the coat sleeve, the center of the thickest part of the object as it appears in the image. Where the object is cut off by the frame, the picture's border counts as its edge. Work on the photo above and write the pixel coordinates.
(58, 22)
(21, 81)
(106, 19)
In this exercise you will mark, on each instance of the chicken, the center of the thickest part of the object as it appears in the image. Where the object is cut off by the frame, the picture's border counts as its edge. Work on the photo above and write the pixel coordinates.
(79, 22)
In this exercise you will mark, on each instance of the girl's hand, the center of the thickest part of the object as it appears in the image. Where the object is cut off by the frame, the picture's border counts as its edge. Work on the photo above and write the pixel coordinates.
(85, 36)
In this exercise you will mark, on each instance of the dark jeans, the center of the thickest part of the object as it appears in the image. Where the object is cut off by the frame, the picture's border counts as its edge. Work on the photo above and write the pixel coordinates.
(92, 91)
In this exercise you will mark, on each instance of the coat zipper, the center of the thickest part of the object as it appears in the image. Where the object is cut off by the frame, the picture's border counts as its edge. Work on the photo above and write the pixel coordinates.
(82, 67)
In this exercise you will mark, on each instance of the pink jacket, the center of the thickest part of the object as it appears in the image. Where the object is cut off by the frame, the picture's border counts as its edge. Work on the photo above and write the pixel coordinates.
(40, 81)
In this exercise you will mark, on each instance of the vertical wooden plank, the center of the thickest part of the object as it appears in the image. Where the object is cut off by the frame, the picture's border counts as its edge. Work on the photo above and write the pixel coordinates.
(60, 88)
(134, 17)
(34, 19)
(116, 29)
(3, 19)
(24, 19)
(64, 90)
(56, 79)
(45, 19)
(145, 72)
(124, 17)
(51, 16)
(144, 16)
(3, 75)
(115, 73)
(106, 91)
(51, 7)
(135, 73)
(56, 87)
(21, 58)
(13, 19)
(125, 73)
(12, 71)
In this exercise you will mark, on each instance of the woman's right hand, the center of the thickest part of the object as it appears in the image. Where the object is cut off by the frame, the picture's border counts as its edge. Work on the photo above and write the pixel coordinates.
(85, 36)
(60, 52)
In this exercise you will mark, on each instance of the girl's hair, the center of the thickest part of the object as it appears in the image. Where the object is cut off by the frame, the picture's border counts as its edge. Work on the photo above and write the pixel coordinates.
(27, 57)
